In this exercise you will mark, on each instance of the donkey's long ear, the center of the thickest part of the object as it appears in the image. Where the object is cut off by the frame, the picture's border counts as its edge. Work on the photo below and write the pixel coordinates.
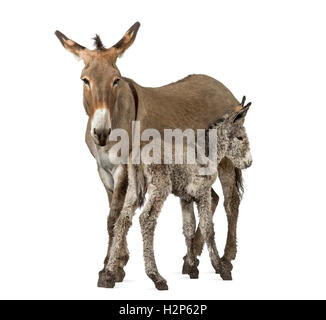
(72, 46)
(127, 40)
(239, 117)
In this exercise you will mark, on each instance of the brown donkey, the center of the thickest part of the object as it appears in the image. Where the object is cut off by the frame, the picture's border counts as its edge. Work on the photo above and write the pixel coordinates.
(113, 101)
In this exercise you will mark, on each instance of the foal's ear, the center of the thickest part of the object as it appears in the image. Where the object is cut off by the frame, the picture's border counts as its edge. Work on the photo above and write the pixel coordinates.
(72, 46)
(127, 40)
(239, 117)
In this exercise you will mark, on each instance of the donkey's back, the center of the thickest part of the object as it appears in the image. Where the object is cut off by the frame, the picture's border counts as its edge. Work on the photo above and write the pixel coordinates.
(188, 103)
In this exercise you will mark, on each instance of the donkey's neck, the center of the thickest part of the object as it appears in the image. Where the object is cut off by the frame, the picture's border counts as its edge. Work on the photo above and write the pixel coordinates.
(222, 144)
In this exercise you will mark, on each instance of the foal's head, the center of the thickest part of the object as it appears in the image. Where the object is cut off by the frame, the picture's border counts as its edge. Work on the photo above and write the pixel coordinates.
(104, 88)
(233, 141)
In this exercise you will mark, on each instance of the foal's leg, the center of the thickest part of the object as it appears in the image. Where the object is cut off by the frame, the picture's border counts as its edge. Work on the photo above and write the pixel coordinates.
(148, 220)
(227, 175)
(189, 229)
(198, 242)
(206, 226)
(116, 200)
(121, 229)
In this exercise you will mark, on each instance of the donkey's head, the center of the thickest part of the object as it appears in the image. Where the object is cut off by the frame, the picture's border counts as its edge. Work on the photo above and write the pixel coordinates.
(233, 141)
(105, 91)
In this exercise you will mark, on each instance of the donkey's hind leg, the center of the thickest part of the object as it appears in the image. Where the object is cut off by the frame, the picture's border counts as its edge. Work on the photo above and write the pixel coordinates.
(230, 178)
(189, 229)
(206, 226)
(198, 243)
(148, 221)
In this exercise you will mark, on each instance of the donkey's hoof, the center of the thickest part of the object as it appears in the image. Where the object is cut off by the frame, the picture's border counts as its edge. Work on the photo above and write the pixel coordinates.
(161, 285)
(105, 280)
(226, 268)
(226, 275)
(193, 273)
(186, 266)
(159, 281)
(217, 267)
(101, 279)
(120, 275)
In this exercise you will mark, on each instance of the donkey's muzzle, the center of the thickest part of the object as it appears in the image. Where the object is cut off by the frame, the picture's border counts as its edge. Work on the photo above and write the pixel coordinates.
(101, 136)
(248, 164)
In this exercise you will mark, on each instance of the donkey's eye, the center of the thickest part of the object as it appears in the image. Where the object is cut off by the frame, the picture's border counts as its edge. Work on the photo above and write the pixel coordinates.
(240, 138)
(116, 81)
(85, 81)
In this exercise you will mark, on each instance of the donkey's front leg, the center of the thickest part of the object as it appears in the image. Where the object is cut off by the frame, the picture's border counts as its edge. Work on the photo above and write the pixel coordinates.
(116, 200)
(148, 220)
(206, 226)
(121, 228)
(230, 179)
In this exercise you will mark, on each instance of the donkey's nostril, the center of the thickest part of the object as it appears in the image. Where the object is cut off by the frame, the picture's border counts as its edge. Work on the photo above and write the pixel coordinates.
(248, 163)
(101, 136)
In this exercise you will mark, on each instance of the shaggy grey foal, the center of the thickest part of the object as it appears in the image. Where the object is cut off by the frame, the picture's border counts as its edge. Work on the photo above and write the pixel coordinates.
(232, 185)
(184, 181)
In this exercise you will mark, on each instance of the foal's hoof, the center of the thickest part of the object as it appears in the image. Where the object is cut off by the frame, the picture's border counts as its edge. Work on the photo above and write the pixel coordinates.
(120, 275)
(192, 271)
(226, 268)
(186, 266)
(226, 275)
(105, 280)
(161, 285)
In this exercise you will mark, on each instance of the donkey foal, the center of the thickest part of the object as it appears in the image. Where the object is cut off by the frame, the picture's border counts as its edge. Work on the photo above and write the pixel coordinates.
(231, 180)
(185, 182)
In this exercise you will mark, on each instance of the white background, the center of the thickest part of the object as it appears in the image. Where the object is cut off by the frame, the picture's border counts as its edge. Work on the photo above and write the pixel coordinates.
(53, 206)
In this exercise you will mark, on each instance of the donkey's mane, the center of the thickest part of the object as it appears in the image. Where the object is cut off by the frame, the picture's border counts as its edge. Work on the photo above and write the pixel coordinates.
(98, 43)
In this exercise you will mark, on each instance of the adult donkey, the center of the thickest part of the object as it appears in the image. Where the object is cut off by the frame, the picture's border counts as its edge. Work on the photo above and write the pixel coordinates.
(113, 101)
